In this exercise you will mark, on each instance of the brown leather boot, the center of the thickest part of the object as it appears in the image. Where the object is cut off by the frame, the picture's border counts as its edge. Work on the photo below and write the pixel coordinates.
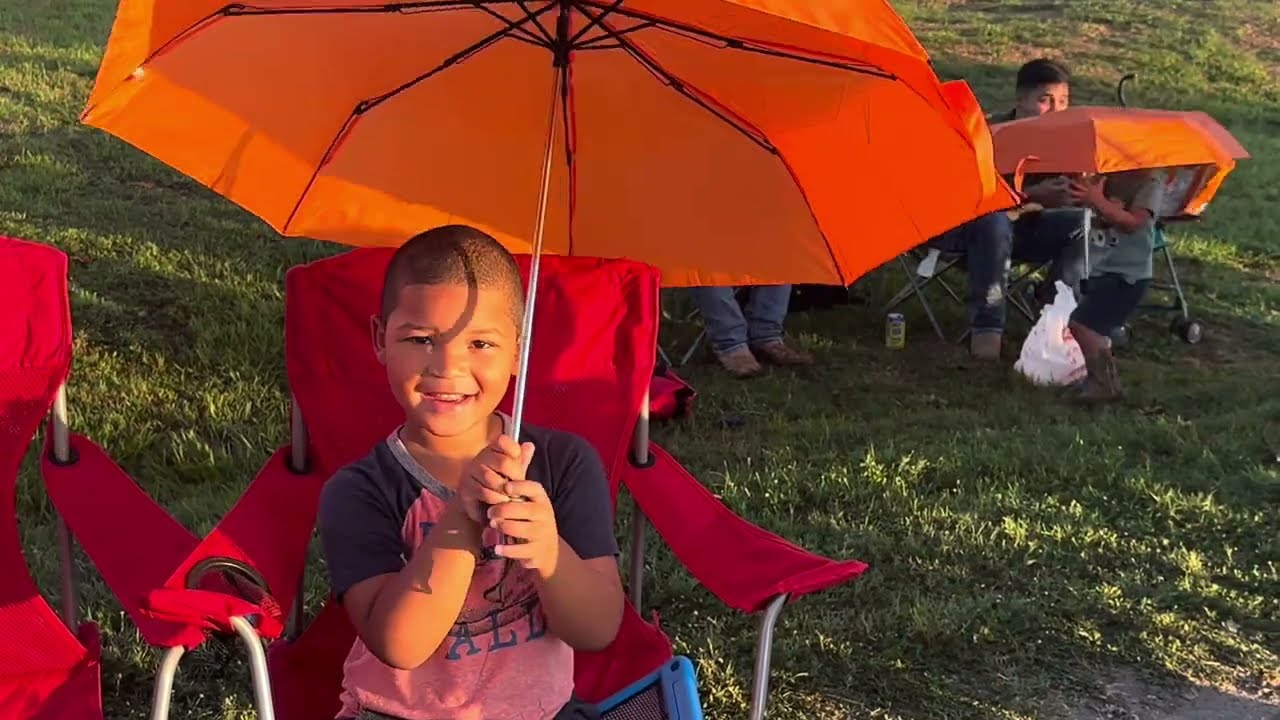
(780, 353)
(1103, 382)
(740, 363)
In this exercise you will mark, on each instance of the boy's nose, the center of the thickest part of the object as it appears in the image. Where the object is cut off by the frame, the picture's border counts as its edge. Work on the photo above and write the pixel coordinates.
(447, 363)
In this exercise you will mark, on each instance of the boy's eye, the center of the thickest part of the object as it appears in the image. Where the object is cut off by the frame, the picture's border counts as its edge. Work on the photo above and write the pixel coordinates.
(481, 344)
(419, 339)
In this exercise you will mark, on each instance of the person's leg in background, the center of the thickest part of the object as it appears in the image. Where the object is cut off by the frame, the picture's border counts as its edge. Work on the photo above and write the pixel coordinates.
(1056, 237)
(1108, 302)
(766, 312)
(726, 328)
(986, 243)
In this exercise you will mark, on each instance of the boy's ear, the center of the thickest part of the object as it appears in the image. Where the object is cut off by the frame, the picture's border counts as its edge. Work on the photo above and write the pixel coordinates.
(377, 333)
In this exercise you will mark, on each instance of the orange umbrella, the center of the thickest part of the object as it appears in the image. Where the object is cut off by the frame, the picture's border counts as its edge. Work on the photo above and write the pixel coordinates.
(1198, 151)
(725, 142)
(722, 141)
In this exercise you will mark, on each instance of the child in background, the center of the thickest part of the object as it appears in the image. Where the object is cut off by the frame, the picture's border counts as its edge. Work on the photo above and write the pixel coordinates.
(1122, 238)
(452, 621)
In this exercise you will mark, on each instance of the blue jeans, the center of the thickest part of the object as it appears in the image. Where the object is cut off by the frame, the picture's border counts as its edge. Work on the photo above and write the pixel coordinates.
(730, 328)
(988, 244)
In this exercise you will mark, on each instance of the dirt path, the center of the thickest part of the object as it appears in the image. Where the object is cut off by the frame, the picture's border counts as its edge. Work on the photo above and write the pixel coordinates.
(1127, 697)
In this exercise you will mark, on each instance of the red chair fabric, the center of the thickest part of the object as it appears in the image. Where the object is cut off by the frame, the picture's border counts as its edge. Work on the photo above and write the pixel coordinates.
(742, 564)
(46, 672)
(670, 397)
(590, 367)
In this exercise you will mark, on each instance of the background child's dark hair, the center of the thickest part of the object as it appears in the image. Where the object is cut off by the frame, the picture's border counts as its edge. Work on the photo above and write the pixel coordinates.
(453, 254)
(1041, 71)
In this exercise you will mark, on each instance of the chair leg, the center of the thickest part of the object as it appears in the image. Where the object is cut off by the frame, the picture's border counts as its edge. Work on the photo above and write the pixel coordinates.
(693, 348)
(638, 535)
(163, 692)
(639, 524)
(917, 287)
(257, 668)
(61, 433)
(764, 656)
(1180, 298)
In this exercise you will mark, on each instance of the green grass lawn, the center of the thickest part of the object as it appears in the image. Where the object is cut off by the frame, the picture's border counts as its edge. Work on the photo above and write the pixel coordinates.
(1023, 552)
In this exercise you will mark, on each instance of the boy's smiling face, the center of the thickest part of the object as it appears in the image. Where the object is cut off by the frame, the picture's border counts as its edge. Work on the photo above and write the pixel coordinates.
(1043, 99)
(450, 351)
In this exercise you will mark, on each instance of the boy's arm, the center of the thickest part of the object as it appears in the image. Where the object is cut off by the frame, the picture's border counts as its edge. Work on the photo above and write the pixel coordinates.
(1113, 212)
(402, 615)
(583, 597)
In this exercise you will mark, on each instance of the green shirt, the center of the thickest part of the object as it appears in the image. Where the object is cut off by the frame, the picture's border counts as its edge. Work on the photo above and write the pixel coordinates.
(1127, 254)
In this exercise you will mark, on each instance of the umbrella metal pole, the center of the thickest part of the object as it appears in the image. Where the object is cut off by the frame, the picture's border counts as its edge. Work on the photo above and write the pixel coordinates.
(526, 331)
(1088, 230)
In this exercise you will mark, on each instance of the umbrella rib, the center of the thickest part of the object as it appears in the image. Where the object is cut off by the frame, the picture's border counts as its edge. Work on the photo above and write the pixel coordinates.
(364, 106)
(566, 117)
(546, 34)
(573, 41)
(461, 55)
(419, 6)
(735, 43)
(676, 84)
(598, 41)
(522, 33)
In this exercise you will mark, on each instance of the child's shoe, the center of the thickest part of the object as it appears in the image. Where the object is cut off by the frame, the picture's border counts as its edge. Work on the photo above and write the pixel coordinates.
(1101, 385)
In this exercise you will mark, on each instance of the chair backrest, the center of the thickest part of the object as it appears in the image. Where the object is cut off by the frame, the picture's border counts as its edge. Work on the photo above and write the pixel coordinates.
(594, 339)
(35, 341)
(42, 665)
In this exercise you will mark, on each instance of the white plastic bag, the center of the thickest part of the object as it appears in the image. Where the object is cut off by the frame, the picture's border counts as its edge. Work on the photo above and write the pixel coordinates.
(1050, 354)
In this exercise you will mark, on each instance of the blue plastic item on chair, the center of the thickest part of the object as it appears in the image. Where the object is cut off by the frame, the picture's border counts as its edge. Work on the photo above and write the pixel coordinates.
(668, 693)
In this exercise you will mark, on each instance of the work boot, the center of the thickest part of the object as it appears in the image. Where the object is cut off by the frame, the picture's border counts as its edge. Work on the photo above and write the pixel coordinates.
(985, 346)
(778, 352)
(1102, 383)
(740, 363)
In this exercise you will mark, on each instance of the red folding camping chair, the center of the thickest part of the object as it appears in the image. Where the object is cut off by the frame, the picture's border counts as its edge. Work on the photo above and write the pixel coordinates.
(47, 669)
(593, 354)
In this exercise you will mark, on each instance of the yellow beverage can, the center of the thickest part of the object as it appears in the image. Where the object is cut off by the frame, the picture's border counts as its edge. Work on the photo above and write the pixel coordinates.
(895, 331)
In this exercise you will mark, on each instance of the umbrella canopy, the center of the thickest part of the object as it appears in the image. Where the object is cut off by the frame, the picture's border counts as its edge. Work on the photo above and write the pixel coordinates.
(1198, 151)
(723, 141)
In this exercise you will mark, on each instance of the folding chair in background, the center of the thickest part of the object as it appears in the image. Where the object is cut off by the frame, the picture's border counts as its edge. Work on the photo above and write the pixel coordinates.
(924, 266)
(48, 669)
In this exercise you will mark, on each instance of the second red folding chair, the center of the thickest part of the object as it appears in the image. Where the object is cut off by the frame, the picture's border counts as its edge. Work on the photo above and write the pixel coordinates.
(48, 669)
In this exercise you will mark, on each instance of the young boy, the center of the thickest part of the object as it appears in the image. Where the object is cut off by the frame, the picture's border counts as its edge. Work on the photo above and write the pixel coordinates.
(1125, 207)
(454, 621)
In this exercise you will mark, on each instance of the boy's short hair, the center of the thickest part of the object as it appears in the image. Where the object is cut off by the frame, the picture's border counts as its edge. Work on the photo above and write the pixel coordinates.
(1041, 71)
(453, 254)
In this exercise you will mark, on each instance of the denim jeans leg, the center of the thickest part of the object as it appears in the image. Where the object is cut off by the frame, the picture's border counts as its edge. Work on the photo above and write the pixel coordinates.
(986, 243)
(1057, 237)
(766, 312)
(721, 317)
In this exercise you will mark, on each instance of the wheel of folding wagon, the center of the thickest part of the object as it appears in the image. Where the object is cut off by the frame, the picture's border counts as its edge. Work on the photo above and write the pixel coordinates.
(1189, 330)
(1122, 336)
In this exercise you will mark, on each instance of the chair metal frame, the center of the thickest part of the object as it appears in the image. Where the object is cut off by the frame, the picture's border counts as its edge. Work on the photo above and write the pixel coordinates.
(931, 266)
